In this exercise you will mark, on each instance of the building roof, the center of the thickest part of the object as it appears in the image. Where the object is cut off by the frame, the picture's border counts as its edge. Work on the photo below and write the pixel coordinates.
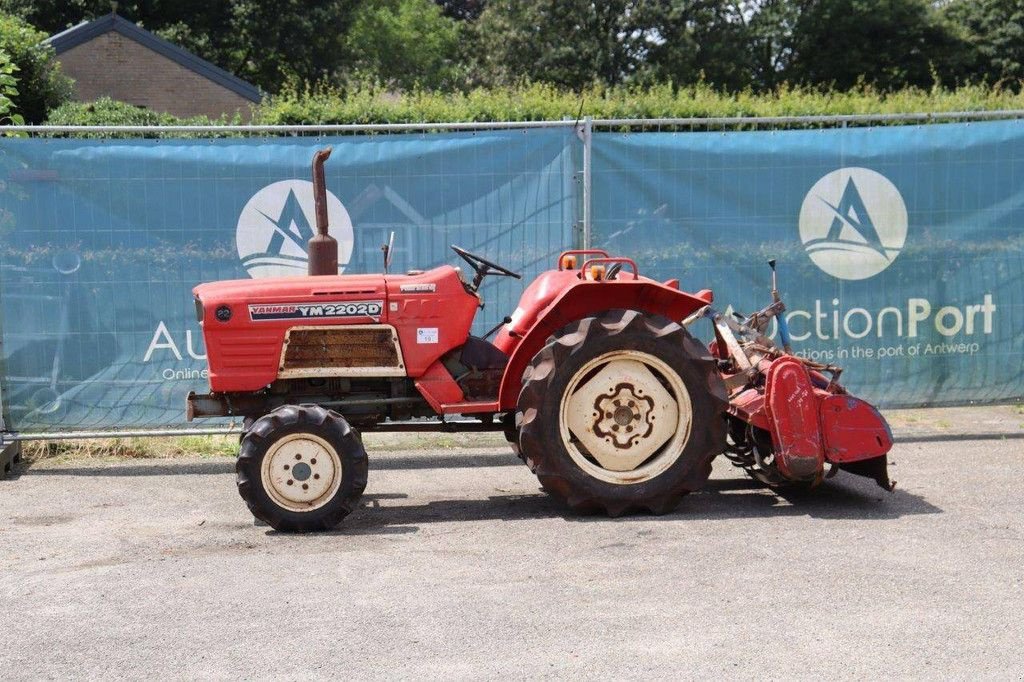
(87, 30)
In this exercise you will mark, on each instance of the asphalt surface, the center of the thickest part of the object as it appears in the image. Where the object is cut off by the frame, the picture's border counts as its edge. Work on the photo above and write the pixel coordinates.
(458, 567)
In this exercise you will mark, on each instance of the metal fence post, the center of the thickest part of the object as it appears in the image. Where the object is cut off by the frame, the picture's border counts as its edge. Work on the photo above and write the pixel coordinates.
(10, 451)
(588, 160)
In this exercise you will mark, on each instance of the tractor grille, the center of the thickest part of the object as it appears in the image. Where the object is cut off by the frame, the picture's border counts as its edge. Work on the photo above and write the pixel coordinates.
(351, 350)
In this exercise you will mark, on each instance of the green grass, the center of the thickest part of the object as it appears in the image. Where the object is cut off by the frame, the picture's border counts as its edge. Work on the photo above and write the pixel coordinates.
(104, 449)
(120, 449)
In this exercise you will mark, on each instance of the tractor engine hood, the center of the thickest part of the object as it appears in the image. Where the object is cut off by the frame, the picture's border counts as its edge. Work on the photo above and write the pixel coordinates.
(246, 323)
(281, 289)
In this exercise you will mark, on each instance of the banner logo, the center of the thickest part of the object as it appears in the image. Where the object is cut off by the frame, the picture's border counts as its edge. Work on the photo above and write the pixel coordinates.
(276, 223)
(853, 223)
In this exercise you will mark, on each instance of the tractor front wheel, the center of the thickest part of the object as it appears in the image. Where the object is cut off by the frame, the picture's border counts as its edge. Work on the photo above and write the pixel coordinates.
(622, 412)
(301, 468)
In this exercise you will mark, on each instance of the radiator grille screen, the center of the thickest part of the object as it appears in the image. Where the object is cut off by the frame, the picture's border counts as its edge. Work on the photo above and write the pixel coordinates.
(340, 348)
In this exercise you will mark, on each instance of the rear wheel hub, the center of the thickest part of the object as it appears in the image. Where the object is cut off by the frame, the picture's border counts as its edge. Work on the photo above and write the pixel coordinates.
(625, 417)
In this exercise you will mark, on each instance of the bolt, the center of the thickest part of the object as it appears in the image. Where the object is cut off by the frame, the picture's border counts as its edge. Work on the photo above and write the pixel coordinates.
(305, 486)
(316, 476)
(286, 467)
(313, 461)
(615, 427)
(298, 456)
(290, 481)
(631, 404)
(628, 429)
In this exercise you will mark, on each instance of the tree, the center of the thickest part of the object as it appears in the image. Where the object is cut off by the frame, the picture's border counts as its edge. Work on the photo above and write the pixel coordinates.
(405, 44)
(695, 40)
(41, 85)
(570, 43)
(465, 10)
(8, 89)
(994, 29)
(886, 43)
(268, 42)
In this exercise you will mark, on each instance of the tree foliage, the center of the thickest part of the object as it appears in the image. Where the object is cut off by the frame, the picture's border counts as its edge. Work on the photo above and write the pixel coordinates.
(405, 44)
(569, 43)
(994, 32)
(732, 44)
(8, 89)
(41, 86)
(891, 44)
(308, 50)
(268, 42)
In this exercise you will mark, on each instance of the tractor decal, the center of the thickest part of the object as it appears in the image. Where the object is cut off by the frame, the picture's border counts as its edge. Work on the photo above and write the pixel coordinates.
(264, 312)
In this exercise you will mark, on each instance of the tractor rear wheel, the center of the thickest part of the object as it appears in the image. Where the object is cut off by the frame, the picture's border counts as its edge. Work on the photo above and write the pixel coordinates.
(301, 468)
(512, 433)
(622, 412)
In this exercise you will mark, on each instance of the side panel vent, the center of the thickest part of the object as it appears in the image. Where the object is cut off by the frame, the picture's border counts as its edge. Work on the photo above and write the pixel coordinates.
(341, 351)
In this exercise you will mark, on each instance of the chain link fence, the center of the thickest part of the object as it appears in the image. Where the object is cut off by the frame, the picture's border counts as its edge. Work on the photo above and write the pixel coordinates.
(105, 230)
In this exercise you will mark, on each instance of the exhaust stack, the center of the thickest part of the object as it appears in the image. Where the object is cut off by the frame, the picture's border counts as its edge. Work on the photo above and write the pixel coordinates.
(322, 248)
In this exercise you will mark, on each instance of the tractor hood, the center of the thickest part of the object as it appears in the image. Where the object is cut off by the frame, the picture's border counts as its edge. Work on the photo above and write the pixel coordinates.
(281, 289)
(246, 322)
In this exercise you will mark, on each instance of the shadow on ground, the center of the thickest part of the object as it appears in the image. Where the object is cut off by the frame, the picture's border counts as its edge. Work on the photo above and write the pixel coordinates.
(227, 466)
(845, 497)
(720, 499)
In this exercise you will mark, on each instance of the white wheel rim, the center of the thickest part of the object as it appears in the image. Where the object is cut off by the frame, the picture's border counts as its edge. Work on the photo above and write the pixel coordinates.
(301, 472)
(625, 417)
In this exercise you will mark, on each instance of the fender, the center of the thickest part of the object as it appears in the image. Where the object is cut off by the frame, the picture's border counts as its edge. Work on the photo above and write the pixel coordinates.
(792, 406)
(585, 299)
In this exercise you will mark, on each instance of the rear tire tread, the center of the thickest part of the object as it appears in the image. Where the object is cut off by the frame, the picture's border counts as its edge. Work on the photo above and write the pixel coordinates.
(547, 460)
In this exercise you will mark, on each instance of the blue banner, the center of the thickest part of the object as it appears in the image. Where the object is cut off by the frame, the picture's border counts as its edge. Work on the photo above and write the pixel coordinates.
(901, 252)
(101, 242)
(901, 249)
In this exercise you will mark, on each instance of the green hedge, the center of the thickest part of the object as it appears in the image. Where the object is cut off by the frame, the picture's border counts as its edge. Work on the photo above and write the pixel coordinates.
(106, 111)
(368, 104)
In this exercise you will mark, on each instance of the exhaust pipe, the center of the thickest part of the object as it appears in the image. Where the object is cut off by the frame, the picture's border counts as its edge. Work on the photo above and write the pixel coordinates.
(322, 248)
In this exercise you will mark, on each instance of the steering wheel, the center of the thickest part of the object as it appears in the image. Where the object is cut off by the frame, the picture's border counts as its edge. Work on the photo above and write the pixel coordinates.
(483, 267)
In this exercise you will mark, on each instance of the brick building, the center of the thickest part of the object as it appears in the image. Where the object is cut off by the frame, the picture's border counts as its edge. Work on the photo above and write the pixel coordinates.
(113, 57)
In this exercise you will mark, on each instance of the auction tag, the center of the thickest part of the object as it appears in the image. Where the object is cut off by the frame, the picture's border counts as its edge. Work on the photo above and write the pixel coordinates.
(426, 335)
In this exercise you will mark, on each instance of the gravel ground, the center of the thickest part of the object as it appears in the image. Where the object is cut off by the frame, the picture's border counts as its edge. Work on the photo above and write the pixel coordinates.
(457, 567)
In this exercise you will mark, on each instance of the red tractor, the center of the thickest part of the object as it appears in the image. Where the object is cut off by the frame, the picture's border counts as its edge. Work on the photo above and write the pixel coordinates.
(595, 380)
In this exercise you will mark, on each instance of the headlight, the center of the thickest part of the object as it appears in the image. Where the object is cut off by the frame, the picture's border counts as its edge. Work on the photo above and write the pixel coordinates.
(199, 310)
